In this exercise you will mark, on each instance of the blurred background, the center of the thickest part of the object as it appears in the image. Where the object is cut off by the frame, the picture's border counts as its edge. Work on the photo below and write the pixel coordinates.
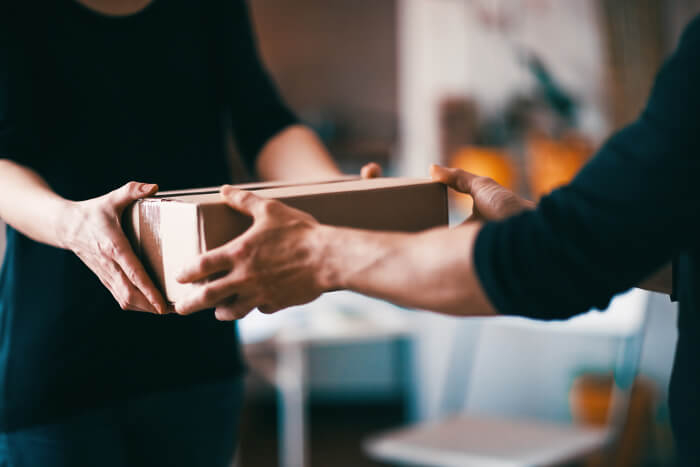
(523, 91)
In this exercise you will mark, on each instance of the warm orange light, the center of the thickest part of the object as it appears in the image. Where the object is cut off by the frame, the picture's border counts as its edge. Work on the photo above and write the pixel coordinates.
(553, 163)
(487, 162)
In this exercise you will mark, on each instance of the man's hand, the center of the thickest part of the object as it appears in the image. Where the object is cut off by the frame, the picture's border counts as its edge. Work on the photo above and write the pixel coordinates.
(492, 202)
(273, 265)
(278, 249)
(92, 230)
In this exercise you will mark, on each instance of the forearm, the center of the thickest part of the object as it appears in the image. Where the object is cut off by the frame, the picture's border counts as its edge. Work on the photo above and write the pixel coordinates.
(432, 270)
(661, 281)
(28, 204)
(295, 153)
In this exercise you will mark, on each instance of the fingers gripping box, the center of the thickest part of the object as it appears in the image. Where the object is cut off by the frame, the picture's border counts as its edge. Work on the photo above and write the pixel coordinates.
(170, 229)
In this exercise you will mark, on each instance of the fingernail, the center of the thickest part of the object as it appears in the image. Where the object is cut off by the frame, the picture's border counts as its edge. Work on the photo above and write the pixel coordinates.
(226, 190)
(222, 315)
(180, 308)
(147, 187)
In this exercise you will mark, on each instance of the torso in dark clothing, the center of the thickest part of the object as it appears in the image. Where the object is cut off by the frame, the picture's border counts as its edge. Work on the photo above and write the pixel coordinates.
(684, 391)
(634, 208)
(91, 102)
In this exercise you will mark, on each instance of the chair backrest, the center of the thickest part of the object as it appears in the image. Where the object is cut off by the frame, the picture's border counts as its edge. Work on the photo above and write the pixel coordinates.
(523, 369)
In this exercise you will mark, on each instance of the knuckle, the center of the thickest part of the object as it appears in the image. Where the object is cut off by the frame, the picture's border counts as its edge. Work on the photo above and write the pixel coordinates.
(208, 294)
(132, 185)
(130, 297)
(123, 304)
(241, 249)
(268, 207)
(241, 196)
(108, 248)
(103, 262)
(205, 263)
(482, 182)
(130, 274)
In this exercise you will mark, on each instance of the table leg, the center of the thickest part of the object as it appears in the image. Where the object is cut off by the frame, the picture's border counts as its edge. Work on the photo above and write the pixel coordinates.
(291, 379)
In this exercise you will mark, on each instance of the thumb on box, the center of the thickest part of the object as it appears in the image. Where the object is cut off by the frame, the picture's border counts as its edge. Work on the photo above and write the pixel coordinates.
(132, 191)
(240, 200)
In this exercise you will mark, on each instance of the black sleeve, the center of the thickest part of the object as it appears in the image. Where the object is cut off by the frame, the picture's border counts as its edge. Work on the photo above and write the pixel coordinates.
(631, 209)
(16, 142)
(257, 110)
(674, 279)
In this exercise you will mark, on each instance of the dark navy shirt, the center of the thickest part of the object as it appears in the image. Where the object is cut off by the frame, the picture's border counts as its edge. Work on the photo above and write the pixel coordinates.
(632, 209)
(90, 102)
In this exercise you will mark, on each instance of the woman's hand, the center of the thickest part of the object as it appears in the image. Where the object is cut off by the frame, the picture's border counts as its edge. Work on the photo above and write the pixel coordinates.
(280, 248)
(371, 170)
(492, 202)
(93, 231)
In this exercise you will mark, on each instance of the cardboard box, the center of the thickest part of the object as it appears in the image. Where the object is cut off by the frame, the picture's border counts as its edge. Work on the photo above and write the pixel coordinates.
(171, 228)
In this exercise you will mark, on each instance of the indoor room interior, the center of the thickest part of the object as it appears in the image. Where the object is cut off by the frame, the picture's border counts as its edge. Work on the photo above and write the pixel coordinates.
(524, 92)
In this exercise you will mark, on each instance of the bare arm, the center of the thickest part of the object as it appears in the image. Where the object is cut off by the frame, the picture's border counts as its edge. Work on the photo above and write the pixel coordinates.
(295, 153)
(431, 270)
(288, 248)
(91, 229)
(39, 214)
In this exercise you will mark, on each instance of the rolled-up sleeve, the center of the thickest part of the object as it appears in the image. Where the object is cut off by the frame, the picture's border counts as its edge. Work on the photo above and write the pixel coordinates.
(631, 210)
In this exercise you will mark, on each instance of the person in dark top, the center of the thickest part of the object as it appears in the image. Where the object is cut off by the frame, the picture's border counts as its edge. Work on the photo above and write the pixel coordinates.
(634, 208)
(93, 94)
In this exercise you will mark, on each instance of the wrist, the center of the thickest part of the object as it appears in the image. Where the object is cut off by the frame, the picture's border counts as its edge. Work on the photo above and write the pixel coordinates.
(328, 273)
(65, 222)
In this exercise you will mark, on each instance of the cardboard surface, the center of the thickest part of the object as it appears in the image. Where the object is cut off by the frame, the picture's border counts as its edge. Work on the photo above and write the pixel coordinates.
(171, 228)
(256, 186)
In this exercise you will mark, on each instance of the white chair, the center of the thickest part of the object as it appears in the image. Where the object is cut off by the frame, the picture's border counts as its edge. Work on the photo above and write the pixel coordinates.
(470, 439)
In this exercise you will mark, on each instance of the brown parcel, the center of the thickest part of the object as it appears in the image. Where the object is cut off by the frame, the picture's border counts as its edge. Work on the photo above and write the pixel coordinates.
(172, 228)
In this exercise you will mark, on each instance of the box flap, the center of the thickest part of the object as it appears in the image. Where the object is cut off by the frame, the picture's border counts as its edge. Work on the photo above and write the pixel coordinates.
(296, 191)
(254, 186)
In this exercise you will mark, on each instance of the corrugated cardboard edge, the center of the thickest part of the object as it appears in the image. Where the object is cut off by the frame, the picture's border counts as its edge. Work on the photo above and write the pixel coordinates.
(179, 231)
(143, 225)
